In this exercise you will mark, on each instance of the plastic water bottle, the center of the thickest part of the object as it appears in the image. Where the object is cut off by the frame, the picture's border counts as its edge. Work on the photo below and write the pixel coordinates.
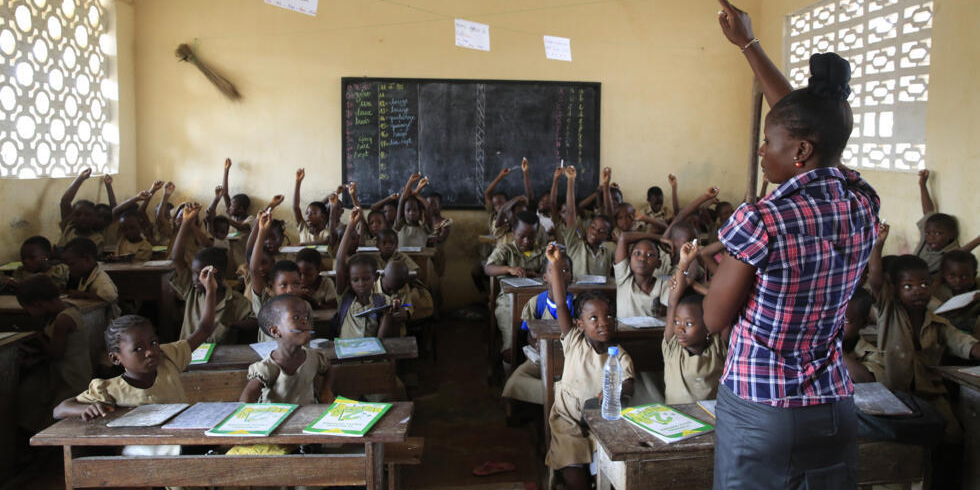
(612, 385)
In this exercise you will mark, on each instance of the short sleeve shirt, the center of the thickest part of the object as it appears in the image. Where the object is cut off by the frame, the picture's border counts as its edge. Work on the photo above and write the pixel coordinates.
(630, 299)
(230, 309)
(280, 387)
(166, 388)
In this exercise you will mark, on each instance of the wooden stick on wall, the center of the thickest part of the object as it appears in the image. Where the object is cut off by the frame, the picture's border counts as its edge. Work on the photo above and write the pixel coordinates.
(751, 190)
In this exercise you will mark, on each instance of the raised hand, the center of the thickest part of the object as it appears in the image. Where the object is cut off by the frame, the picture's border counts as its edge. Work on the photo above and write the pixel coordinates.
(85, 173)
(191, 211)
(504, 172)
(218, 190)
(107, 179)
(209, 279)
(227, 163)
(276, 200)
(412, 179)
(605, 177)
(265, 220)
(712, 192)
(672, 179)
(883, 230)
(422, 183)
(570, 172)
(355, 215)
(689, 251)
(143, 196)
(553, 252)
(352, 188)
(558, 172)
(735, 24)
(157, 185)
(169, 188)
(300, 174)
(524, 164)
(923, 177)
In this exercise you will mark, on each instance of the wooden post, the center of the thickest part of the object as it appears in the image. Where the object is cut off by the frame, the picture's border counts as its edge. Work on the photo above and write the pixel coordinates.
(751, 190)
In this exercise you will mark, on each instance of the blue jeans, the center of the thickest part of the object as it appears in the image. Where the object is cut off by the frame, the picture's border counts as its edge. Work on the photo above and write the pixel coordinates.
(761, 447)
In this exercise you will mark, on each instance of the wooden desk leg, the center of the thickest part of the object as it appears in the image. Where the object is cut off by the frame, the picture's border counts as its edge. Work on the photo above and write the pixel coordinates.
(68, 469)
(374, 462)
(548, 384)
(165, 310)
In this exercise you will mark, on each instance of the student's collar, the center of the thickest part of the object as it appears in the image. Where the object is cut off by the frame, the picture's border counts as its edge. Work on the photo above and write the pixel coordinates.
(90, 278)
(800, 181)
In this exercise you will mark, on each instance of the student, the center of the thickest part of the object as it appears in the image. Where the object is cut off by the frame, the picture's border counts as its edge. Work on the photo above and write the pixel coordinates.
(441, 228)
(546, 205)
(131, 240)
(318, 290)
(638, 267)
(524, 383)
(151, 371)
(87, 280)
(313, 229)
(958, 275)
(107, 213)
(655, 209)
(493, 201)
(236, 206)
(79, 219)
(217, 226)
(231, 309)
(522, 258)
(388, 249)
(35, 258)
(369, 235)
(355, 286)
(62, 366)
(412, 229)
(283, 278)
(592, 255)
(939, 232)
(693, 357)
(163, 231)
(287, 374)
(911, 337)
(585, 344)
(863, 360)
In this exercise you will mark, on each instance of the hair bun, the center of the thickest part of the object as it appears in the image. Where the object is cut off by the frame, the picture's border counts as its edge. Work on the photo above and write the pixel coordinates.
(829, 75)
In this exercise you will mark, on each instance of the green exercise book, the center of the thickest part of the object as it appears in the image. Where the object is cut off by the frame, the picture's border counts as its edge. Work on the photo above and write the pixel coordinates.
(253, 419)
(358, 347)
(348, 418)
(202, 354)
(665, 423)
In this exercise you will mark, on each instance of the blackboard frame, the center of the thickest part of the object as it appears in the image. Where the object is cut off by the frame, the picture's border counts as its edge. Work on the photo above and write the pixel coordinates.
(593, 176)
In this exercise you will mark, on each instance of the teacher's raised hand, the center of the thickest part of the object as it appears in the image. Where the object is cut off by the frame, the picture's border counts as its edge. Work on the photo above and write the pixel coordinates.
(735, 24)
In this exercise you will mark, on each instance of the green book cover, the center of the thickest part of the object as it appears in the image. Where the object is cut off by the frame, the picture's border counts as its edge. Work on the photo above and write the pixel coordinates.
(348, 418)
(253, 419)
(358, 347)
(665, 423)
(202, 354)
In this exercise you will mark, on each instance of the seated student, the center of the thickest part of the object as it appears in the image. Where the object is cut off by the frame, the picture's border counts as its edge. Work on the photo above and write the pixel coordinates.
(592, 255)
(313, 229)
(546, 205)
(412, 229)
(638, 267)
(586, 344)
(151, 370)
(958, 275)
(236, 206)
(217, 226)
(131, 240)
(87, 280)
(388, 249)
(494, 201)
(396, 282)
(272, 243)
(524, 383)
(911, 337)
(355, 286)
(318, 290)
(863, 360)
(693, 358)
(375, 223)
(939, 232)
(232, 309)
(502, 228)
(61, 366)
(79, 220)
(283, 278)
(441, 228)
(163, 232)
(35, 258)
(287, 374)
(522, 258)
(623, 218)
(654, 208)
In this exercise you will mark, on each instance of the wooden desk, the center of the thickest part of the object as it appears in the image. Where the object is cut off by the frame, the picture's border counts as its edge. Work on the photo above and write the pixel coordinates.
(519, 296)
(967, 410)
(242, 356)
(139, 282)
(630, 459)
(643, 344)
(9, 377)
(295, 469)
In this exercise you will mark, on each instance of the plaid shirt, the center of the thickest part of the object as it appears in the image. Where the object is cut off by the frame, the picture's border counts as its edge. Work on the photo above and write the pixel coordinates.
(810, 240)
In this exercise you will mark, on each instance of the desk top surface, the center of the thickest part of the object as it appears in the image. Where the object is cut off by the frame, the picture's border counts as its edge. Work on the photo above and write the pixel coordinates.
(242, 356)
(9, 304)
(953, 373)
(154, 266)
(11, 338)
(549, 329)
(610, 285)
(74, 432)
(625, 442)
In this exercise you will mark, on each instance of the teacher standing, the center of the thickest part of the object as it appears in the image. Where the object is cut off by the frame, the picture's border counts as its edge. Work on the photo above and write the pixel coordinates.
(786, 416)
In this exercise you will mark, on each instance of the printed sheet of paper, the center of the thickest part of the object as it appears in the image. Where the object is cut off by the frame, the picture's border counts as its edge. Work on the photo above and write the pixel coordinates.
(956, 302)
(521, 282)
(307, 7)
(148, 415)
(253, 419)
(359, 347)
(472, 35)
(643, 322)
(203, 415)
(558, 48)
(202, 354)
(348, 418)
(589, 279)
(263, 349)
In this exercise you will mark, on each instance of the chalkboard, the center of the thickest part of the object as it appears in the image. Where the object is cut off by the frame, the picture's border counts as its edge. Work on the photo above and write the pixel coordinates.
(461, 133)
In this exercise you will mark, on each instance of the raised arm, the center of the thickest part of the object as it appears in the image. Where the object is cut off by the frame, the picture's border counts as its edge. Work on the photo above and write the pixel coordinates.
(189, 221)
(392, 320)
(352, 192)
(876, 273)
(528, 190)
(628, 237)
(607, 206)
(212, 210)
(504, 213)
(406, 194)
(928, 206)
(297, 210)
(682, 214)
(737, 27)
(70, 192)
(488, 194)
(209, 278)
(679, 284)
(553, 194)
(672, 179)
(972, 244)
(344, 248)
(264, 224)
(585, 203)
(144, 218)
(380, 204)
(708, 256)
(224, 184)
(570, 175)
(335, 209)
(557, 285)
(162, 216)
(110, 194)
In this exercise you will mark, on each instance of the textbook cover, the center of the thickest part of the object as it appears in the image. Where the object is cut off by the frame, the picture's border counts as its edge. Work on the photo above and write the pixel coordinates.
(348, 418)
(359, 347)
(202, 354)
(253, 419)
(665, 423)
(148, 415)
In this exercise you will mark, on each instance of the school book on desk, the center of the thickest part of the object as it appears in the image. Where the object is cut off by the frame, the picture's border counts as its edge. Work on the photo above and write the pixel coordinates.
(202, 354)
(359, 347)
(253, 419)
(348, 418)
(665, 423)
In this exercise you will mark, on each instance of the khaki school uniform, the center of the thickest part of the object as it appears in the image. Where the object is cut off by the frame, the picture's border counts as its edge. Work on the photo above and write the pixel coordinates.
(174, 358)
(412, 235)
(524, 383)
(365, 326)
(256, 301)
(870, 357)
(141, 250)
(69, 233)
(691, 378)
(412, 265)
(932, 257)
(630, 299)
(100, 283)
(509, 255)
(281, 387)
(325, 291)
(404, 294)
(307, 236)
(230, 309)
(967, 319)
(59, 273)
(581, 380)
(665, 213)
(584, 260)
(907, 368)
(696, 274)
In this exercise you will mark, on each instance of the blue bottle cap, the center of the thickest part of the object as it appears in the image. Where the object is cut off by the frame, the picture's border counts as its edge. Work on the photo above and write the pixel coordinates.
(613, 350)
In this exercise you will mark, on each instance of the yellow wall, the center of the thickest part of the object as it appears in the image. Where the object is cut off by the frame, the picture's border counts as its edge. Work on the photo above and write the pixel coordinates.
(675, 96)
(952, 124)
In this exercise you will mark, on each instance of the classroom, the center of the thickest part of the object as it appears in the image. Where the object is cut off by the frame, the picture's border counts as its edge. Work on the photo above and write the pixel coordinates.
(452, 257)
